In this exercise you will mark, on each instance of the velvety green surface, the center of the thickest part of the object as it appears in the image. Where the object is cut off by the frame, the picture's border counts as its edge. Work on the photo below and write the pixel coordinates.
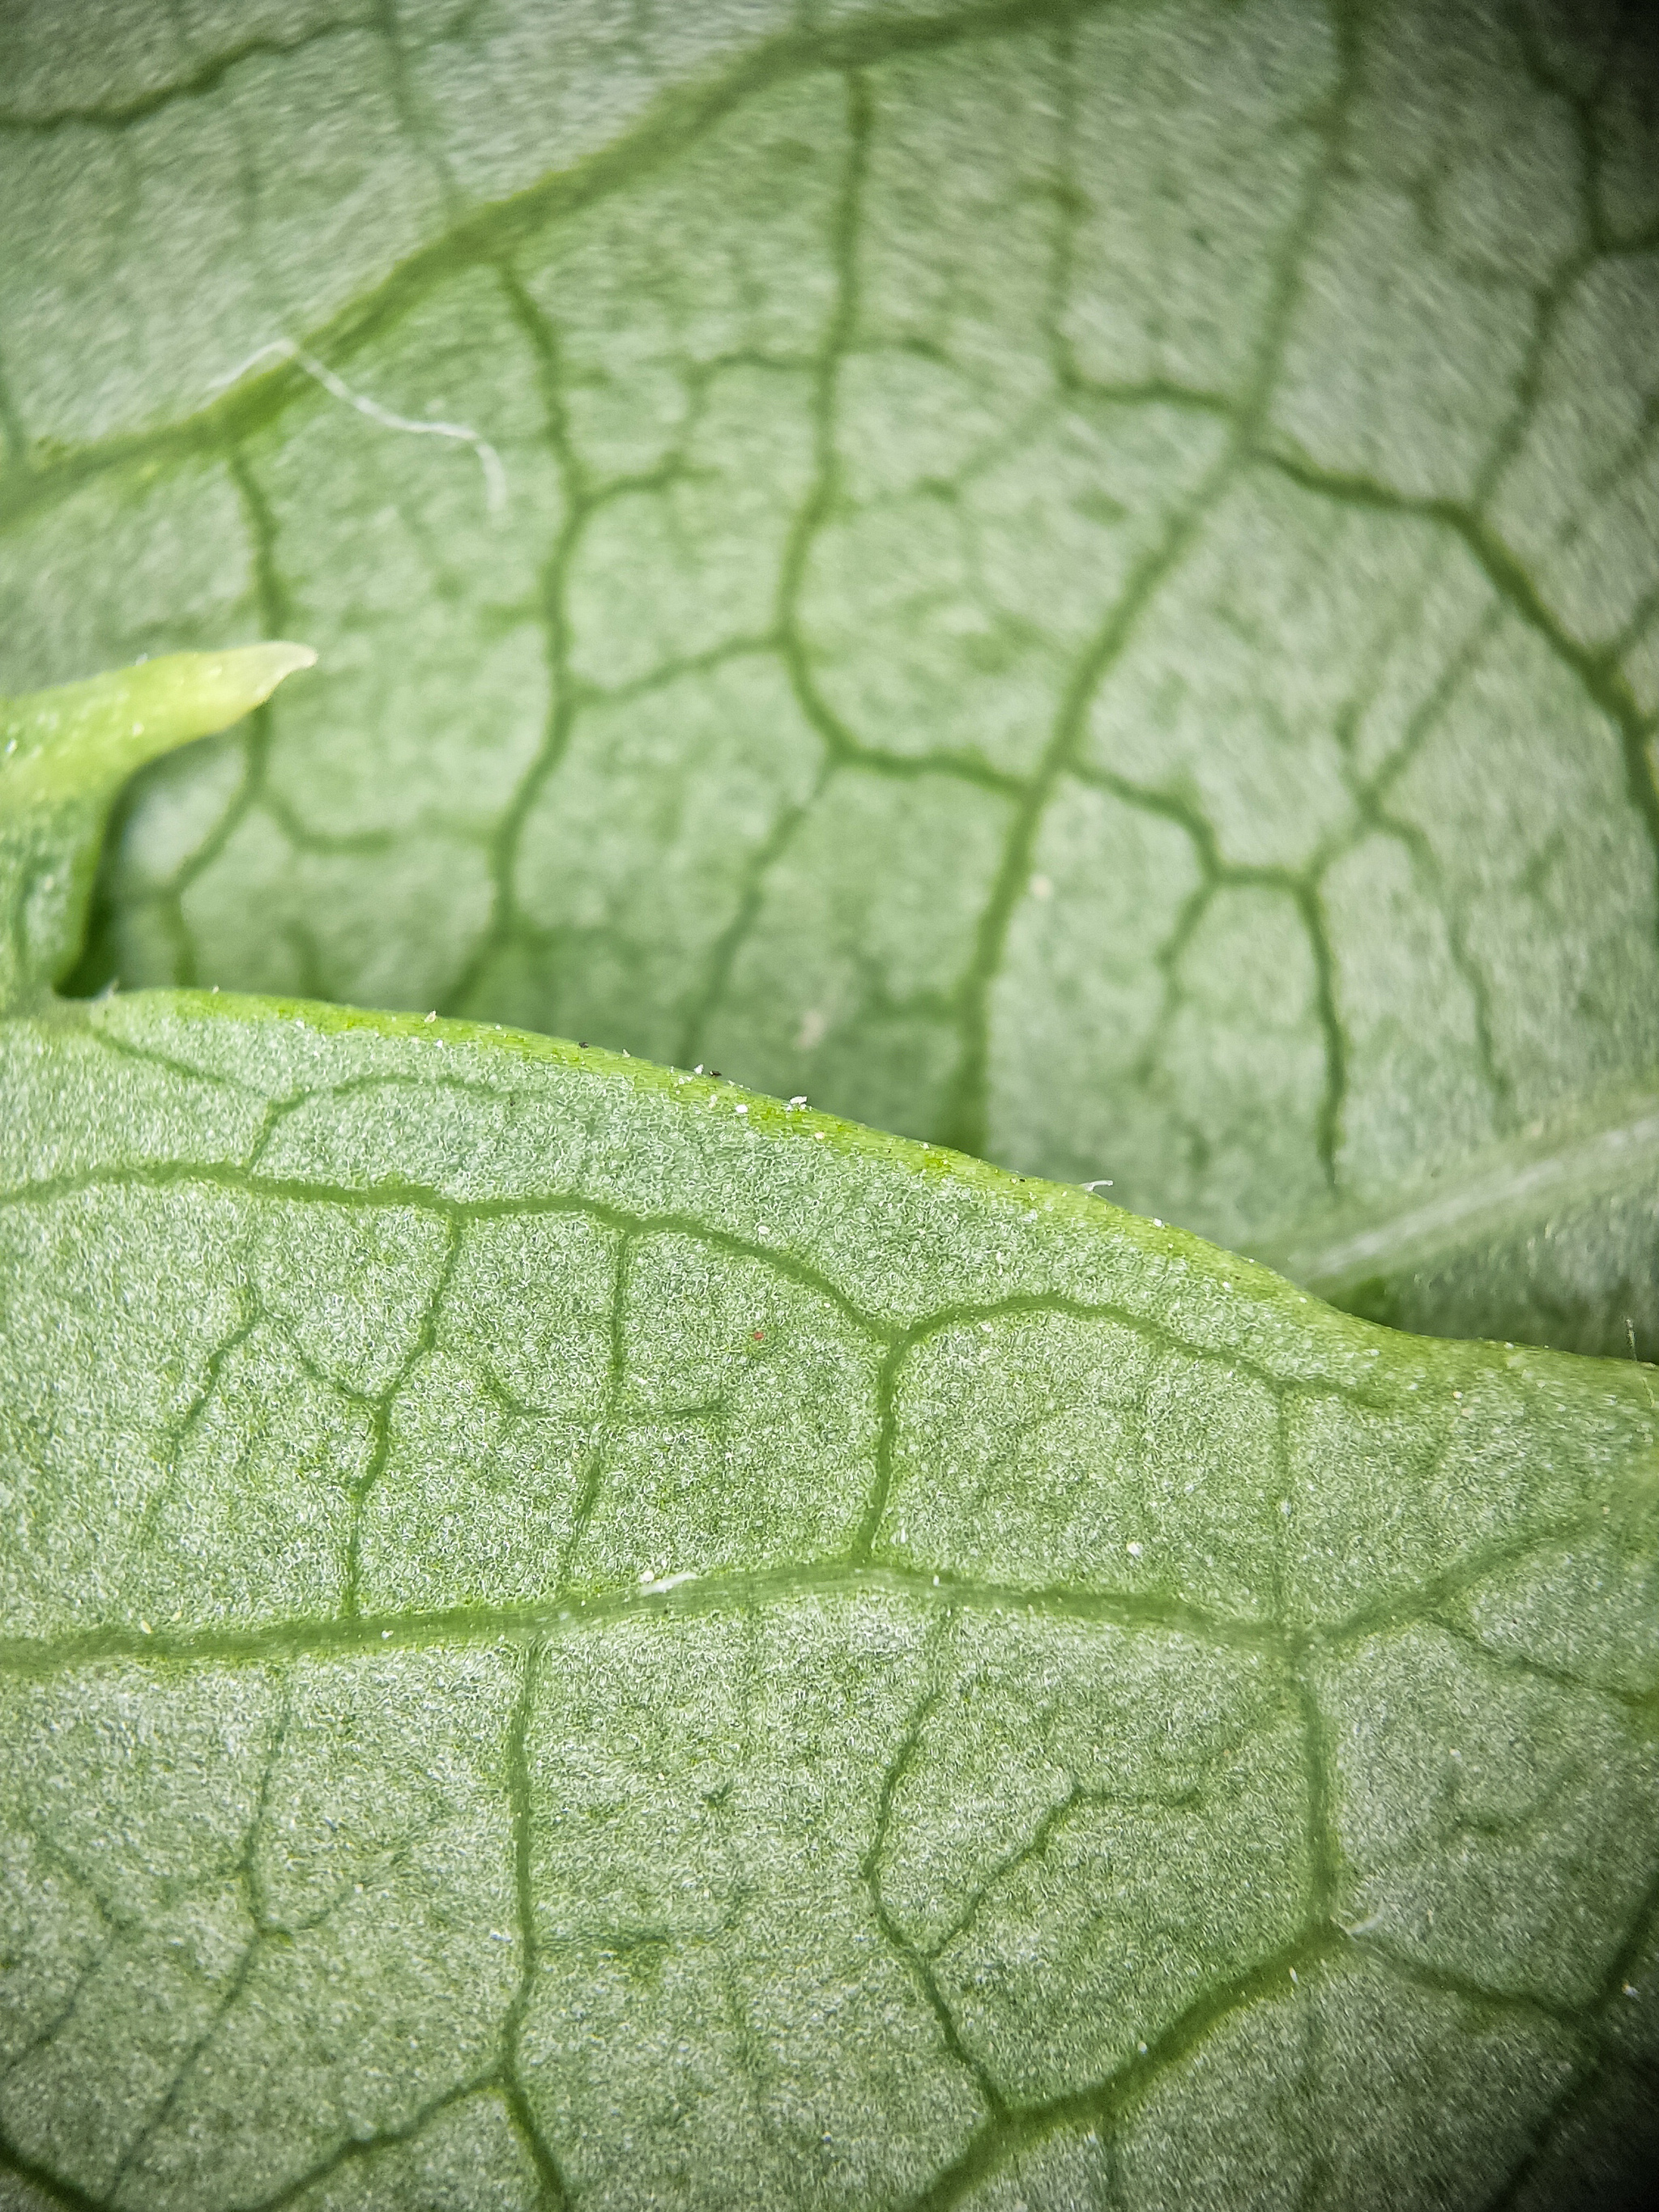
(573, 1636)
(1078, 581)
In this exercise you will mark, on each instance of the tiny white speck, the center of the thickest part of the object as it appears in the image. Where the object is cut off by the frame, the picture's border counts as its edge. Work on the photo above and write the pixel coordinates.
(1284, 1506)
(1156, 1224)
(386, 1636)
(740, 1110)
(1141, 2048)
(147, 1630)
(797, 1102)
(697, 1070)
(1134, 1550)
(431, 1017)
(1630, 1989)
(760, 1229)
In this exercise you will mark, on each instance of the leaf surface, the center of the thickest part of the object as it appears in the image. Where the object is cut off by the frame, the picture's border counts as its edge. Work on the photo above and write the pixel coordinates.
(64, 755)
(576, 1636)
(1078, 581)
(1552, 1241)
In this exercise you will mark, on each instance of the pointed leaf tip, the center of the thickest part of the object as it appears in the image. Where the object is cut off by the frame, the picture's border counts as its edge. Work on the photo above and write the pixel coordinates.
(265, 666)
(63, 755)
(191, 694)
(83, 739)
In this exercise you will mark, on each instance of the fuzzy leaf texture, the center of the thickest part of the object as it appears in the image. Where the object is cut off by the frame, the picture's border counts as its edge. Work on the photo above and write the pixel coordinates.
(1080, 581)
(576, 1637)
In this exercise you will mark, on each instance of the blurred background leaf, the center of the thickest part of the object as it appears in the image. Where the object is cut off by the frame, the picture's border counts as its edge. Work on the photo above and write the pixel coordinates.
(1080, 581)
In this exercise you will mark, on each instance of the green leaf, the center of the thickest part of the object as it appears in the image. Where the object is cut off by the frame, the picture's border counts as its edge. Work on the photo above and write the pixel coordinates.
(65, 754)
(574, 1636)
(1075, 580)
(1552, 1241)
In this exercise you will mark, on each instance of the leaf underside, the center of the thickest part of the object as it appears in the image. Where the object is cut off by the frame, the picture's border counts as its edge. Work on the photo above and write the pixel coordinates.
(571, 1636)
(1078, 581)
(578, 1637)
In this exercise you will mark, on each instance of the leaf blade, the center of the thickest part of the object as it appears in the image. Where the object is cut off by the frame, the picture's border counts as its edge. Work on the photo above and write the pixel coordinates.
(1056, 1634)
(828, 506)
